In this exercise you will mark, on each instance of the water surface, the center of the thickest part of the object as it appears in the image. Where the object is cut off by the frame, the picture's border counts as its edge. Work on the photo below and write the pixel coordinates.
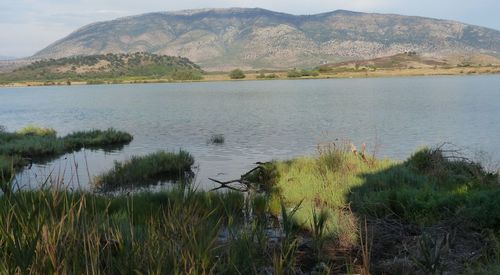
(261, 120)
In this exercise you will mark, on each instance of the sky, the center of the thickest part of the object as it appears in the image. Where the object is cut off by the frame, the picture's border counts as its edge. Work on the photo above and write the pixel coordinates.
(27, 26)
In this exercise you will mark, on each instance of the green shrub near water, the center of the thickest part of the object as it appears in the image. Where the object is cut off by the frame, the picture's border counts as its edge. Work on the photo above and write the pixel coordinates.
(187, 75)
(262, 75)
(237, 74)
(300, 73)
(145, 170)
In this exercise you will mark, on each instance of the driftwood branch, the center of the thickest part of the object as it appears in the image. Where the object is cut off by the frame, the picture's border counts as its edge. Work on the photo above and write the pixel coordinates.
(245, 184)
(225, 184)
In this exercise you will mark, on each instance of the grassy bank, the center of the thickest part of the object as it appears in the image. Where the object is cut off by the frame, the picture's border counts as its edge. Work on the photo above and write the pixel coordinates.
(417, 216)
(35, 143)
(146, 170)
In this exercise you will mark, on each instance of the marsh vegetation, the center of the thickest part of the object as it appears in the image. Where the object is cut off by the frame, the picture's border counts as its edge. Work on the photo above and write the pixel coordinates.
(341, 211)
(33, 143)
(147, 170)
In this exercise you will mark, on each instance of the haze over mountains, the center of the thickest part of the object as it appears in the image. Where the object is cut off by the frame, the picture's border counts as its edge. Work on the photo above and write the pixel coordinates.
(219, 39)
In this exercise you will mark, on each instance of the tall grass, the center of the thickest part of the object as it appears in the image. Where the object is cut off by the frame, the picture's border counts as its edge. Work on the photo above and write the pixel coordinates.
(180, 231)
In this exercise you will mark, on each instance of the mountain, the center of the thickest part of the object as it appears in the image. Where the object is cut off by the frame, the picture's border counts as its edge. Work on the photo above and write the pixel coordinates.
(219, 39)
(108, 66)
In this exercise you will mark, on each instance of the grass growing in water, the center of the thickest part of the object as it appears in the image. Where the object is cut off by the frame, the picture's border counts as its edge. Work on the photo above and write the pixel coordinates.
(36, 143)
(41, 142)
(217, 139)
(146, 169)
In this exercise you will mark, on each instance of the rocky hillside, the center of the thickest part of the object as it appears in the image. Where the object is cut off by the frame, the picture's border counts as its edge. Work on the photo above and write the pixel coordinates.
(220, 39)
(112, 66)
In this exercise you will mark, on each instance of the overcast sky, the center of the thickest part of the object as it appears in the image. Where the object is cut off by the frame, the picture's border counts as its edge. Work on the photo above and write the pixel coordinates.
(27, 26)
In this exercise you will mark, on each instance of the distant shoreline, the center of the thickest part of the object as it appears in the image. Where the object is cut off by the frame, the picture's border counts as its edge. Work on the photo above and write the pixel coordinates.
(281, 75)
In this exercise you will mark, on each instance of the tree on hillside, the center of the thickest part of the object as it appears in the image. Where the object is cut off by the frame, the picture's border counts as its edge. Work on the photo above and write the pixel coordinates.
(237, 74)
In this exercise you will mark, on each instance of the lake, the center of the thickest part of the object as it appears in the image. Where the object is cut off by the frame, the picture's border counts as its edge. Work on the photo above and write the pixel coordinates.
(260, 120)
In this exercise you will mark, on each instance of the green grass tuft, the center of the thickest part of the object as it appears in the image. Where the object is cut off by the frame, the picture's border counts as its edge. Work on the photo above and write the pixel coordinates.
(147, 169)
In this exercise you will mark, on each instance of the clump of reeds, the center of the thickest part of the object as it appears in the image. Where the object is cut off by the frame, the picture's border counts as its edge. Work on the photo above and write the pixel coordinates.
(96, 138)
(145, 170)
(217, 139)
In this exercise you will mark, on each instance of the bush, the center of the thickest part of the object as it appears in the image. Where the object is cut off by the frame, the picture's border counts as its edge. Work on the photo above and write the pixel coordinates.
(237, 74)
(296, 73)
(187, 75)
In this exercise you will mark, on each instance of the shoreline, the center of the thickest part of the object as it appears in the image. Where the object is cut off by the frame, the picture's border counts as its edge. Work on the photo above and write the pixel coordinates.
(281, 75)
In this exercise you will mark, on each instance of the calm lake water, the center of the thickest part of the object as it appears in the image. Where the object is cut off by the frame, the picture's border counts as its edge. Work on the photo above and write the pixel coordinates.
(260, 120)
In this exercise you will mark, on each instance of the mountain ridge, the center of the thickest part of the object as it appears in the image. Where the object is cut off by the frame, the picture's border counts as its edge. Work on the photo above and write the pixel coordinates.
(253, 38)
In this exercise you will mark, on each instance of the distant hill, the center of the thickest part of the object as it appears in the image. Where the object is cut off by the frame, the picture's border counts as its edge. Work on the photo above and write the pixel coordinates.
(3, 57)
(219, 39)
(108, 66)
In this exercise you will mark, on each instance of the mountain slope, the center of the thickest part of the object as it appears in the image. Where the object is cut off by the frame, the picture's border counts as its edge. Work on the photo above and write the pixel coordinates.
(257, 38)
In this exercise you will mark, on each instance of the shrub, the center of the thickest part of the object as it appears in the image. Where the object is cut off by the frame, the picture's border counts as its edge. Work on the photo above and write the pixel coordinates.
(294, 73)
(237, 74)
(187, 75)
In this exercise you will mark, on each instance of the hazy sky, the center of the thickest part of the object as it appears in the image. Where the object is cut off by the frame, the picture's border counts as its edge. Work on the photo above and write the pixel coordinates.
(27, 26)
